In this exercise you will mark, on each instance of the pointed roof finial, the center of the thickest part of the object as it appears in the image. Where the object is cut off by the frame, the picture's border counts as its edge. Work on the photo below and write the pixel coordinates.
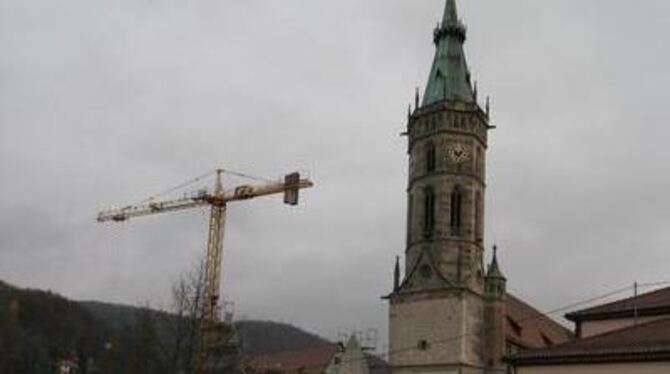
(416, 98)
(494, 268)
(476, 91)
(450, 13)
(396, 275)
(488, 106)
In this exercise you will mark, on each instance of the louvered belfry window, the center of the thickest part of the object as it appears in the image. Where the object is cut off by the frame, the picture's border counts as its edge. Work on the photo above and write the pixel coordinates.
(431, 158)
(429, 211)
(456, 211)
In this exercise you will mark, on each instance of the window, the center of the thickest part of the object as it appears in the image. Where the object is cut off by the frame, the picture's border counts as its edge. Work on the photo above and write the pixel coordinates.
(479, 161)
(410, 214)
(478, 217)
(422, 345)
(516, 327)
(428, 211)
(456, 211)
(431, 158)
(426, 272)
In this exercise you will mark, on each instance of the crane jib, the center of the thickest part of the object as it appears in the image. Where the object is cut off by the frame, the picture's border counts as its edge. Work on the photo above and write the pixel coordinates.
(217, 199)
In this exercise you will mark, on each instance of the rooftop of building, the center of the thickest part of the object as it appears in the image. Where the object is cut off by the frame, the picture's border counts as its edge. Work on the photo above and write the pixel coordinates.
(645, 342)
(648, 304)
(309, 361)
(529, 328)
(313, 360)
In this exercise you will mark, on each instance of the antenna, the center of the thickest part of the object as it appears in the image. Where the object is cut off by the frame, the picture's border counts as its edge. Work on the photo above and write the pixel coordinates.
(371, 339)
(476, 92)
(228, 311)
(416, 98)
(342, 337)
(359, 335)
(488, 106)
(635, 310)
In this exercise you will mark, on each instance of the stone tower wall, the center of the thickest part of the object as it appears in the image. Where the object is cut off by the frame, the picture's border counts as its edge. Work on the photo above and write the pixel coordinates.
(460, 254)
(451, 327)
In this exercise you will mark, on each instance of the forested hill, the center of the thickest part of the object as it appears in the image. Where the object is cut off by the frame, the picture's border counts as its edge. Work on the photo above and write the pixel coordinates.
(255, 336)
(264, 337)
(39, 328)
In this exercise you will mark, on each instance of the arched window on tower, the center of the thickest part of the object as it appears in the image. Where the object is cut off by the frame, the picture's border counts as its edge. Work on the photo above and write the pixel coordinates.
(479, 226)
(428, 211)
(431, 158)
(456, 211)
(479, 162)
(410, 214)
(476, 162)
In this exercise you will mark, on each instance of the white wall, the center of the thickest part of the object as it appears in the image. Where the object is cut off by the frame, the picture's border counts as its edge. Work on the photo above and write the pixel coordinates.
(614, 368)
(591, 328)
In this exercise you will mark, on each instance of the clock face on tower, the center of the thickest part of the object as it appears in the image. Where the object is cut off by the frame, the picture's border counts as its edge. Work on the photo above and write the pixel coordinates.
(458, 153)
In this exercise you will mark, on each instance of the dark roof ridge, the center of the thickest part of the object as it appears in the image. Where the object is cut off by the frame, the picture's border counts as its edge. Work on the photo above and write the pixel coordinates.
(596, 356)
(547, 352)
(622, 304)
(622, 330)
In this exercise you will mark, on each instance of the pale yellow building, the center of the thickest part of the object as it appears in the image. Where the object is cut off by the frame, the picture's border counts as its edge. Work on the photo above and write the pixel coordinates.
(630, 336)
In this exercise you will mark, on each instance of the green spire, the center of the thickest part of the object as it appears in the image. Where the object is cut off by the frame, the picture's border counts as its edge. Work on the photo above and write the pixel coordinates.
(450, 12)
(449, 78)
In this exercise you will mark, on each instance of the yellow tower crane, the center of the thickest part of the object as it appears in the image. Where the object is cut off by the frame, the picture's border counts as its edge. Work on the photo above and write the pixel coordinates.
(217, 200)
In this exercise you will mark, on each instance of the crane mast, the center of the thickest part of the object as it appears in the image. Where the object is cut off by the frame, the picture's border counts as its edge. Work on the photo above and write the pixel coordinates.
(217, 200)
(212, 279)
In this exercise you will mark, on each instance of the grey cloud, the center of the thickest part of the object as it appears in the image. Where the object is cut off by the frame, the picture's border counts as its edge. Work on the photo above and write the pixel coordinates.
(108, 102)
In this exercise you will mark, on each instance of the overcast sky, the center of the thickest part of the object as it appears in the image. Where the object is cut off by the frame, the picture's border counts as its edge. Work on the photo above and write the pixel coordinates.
(104, 103)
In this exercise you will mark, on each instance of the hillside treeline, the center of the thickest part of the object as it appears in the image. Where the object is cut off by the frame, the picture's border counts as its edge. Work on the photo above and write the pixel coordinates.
(39, 330)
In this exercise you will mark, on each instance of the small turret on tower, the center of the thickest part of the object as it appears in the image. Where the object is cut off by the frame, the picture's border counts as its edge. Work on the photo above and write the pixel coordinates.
(396, 275)
(496, 292)
(494, 275)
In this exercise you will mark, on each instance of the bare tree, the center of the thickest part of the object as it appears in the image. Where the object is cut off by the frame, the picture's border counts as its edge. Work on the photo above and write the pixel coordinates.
(179, 331)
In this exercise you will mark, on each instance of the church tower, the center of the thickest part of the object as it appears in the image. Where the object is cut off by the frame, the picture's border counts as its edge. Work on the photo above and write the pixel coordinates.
(441, 312)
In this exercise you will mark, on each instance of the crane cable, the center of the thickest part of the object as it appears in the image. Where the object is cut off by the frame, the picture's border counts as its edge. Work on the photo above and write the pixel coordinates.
(245, 175)
(177, 187)
(200, 179)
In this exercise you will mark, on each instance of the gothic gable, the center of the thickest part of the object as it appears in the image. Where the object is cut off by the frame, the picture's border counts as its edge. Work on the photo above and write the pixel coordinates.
(425, 274)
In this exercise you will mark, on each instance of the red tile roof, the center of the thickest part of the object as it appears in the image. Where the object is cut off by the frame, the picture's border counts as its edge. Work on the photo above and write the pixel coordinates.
(307, 361)
(648, 304)
(642, 342)
(529, 328)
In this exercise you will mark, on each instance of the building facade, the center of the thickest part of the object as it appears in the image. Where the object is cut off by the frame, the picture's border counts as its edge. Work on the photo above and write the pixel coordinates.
(447, 314)
(626, 336)
(450, 313)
